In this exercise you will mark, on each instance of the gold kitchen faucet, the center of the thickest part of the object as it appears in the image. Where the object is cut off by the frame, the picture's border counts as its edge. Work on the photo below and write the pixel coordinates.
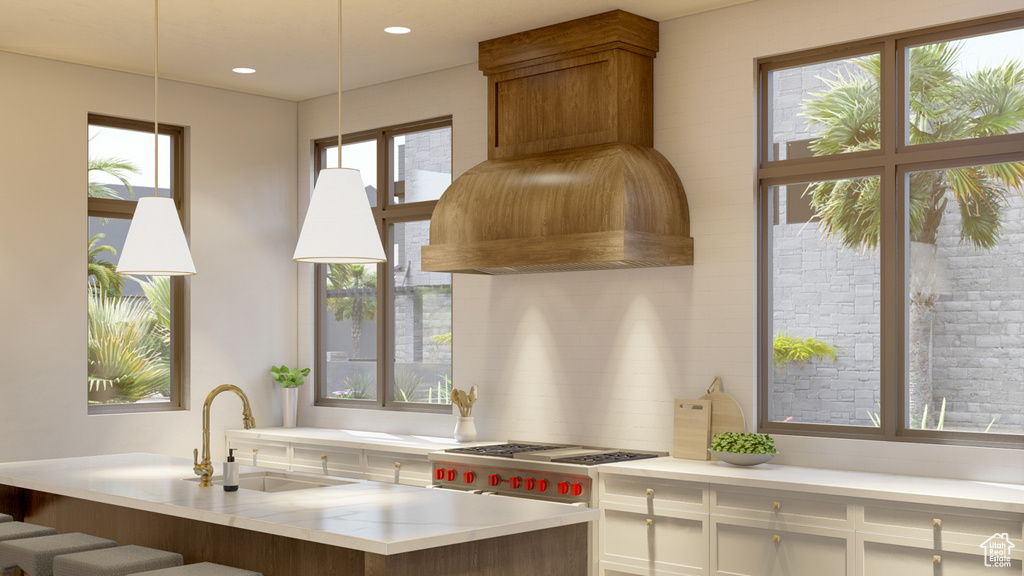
(204, 469)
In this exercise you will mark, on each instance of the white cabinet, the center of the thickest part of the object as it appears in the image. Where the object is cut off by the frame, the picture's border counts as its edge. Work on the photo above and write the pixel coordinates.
(266, 453)
(697, 521)
(398, 467)
(651, 526)
(932, 540)
(759, 548)
(332, 459)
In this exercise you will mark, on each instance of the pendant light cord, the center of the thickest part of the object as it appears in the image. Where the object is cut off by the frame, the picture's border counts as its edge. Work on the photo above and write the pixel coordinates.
(156, 97)
(339, 83)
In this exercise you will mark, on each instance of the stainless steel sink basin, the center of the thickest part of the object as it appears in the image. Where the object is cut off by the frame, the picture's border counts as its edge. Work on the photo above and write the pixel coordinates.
(269, 481)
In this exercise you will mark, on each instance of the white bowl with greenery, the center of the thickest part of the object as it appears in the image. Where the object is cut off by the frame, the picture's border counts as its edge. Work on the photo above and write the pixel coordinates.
(743, 449)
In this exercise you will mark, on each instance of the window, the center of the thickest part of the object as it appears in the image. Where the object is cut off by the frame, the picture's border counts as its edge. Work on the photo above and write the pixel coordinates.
(891, 234)
(384, 332)
(136, 324)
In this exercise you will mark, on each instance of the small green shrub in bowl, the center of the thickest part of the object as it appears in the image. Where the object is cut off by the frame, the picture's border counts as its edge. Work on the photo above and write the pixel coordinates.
(743, 449)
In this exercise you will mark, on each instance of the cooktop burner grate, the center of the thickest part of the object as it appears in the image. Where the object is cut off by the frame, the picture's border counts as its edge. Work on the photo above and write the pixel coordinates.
(503, 450)
(606, 458)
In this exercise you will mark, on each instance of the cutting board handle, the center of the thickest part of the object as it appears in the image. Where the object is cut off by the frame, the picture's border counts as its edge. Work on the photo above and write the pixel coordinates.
(716, 384)
(688, 406)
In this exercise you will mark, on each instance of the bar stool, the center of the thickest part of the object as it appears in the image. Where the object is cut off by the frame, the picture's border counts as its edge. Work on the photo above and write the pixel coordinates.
(6, 518)
(119, 561)
(200, 569)
(15, 530)
(35, 555)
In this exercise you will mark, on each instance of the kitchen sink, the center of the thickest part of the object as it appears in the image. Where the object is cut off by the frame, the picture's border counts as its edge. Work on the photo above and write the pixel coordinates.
(279, 481)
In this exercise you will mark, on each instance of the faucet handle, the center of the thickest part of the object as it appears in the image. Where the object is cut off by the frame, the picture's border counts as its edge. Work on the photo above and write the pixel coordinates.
(195, 457)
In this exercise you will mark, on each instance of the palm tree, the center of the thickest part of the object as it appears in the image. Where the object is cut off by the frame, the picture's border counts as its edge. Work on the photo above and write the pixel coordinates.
(348, 282)
(944, 105)
(108, 281)
(115, 167)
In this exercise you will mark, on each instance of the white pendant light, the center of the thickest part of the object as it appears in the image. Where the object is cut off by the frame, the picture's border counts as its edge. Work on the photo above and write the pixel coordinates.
(156, 245)
(339, 227)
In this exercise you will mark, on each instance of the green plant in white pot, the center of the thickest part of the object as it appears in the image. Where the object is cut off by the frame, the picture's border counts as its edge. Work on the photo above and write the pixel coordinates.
(290, 379)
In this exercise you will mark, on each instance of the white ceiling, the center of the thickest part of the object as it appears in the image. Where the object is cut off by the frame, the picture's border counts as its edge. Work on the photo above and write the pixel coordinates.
(292, 44)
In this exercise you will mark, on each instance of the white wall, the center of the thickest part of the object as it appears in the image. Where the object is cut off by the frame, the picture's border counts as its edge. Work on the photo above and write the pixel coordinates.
(242, 204)
(597, 357)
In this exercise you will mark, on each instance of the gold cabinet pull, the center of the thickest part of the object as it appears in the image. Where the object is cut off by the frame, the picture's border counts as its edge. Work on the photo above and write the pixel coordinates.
(776, 538)
(650, 491)
(936, 559)
(776, 505)
(650, 521)
(398, 464)
(937, 522)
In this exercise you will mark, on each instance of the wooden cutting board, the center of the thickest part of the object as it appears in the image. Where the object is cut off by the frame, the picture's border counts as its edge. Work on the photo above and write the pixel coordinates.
(691, 432)
(726, 414)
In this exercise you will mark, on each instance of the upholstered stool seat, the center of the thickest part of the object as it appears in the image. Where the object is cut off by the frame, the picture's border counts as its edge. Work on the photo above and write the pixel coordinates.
(6, 518)
(35, 555)
(16, 530)
(201, 569)
(119, 561)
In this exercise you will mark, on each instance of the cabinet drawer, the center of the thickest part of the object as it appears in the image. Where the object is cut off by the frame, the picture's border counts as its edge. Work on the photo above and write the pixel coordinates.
(336, 461)
(398, 468)
(752, 548)
(879, 554)
(268, 454)
(654, 496)
(783, 507)
(939, 523)
(668, 544)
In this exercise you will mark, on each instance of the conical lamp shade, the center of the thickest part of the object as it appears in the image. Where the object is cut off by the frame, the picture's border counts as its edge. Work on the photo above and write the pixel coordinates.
(156, 244)
(339, 226)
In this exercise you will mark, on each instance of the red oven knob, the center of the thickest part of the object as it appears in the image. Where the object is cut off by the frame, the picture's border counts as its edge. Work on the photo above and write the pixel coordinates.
(531, 483)
(542, 485)
(563, 487)
(493, 480)
(468, 477)
(451, 475)
(515, 482)
(576, 489)
(439, 474)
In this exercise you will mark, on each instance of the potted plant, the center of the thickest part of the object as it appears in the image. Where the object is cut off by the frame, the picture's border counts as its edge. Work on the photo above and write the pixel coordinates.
(290, 379)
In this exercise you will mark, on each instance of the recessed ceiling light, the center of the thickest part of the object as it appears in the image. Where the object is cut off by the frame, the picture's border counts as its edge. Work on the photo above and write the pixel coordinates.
(244, 70)
(397, 30)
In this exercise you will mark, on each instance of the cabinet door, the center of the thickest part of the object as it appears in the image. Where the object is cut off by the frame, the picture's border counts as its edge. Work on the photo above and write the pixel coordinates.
(741, 547)
(333, 461)
(398, 468)
(265, 453)
(879, 554)
(677, 545)
(654, 495)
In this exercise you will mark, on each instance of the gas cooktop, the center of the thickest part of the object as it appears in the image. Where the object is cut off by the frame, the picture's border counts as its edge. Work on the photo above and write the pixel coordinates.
(561, 453)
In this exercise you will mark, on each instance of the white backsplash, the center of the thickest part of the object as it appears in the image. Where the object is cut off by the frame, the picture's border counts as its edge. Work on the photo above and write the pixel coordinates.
(598, 357)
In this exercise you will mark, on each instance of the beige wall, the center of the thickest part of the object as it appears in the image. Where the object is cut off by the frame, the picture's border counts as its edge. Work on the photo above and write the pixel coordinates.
(242, 204)
(597, 357)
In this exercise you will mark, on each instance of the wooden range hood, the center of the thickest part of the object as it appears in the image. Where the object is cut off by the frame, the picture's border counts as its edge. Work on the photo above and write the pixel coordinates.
(572, 181)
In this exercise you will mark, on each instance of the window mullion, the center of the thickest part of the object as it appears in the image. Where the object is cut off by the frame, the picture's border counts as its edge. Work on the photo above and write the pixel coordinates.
(893, 245)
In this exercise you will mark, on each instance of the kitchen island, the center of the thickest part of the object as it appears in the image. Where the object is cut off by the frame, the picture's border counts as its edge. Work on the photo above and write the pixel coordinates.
(360, 527)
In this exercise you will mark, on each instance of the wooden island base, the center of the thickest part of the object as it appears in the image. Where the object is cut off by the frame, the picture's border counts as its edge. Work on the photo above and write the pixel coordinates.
(558, 551)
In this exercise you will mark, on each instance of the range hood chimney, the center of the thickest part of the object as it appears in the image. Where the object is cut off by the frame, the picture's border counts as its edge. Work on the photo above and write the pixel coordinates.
(572, 181)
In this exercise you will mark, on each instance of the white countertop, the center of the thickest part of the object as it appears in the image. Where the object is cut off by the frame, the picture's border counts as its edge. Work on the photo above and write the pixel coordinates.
(370, 516)
(383, 441)
(941, 491)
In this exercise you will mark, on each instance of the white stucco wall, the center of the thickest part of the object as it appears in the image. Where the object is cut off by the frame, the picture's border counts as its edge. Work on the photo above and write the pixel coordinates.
(241, 185)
